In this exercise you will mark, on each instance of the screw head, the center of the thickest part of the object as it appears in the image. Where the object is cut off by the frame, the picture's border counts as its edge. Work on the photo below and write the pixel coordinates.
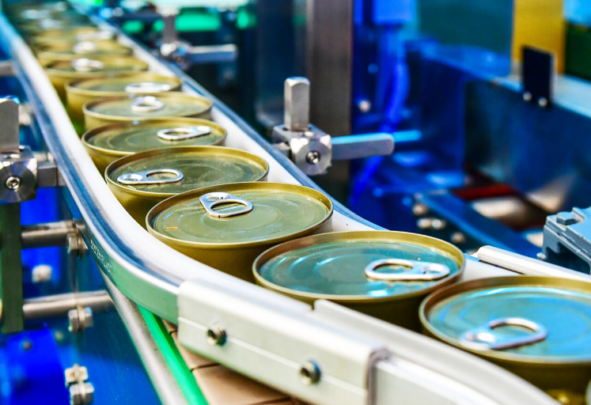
(566, 218)
(364, 106)
(310, 373)
(216, 335)
(27, 345)
(313, 157)
(542, 102)
(458, 238)
(420, 210)
(527, 96)
(13, 183)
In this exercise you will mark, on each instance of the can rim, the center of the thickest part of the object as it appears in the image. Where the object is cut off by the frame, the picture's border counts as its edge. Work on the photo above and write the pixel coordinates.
(231, 188)
(124, 125)
(506, 281)
(446, 248)
(138, 65)
(73, 85)
(173, 150)
(167, 95)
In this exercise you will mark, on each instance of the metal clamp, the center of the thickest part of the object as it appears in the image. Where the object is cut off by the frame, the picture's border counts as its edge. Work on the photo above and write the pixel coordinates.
(147, 87)
(87, 65)
(183, 133)
(143, 178)
(417, 271)
(210, 200)
(145, 104)
(484, 337)
(311, 149)
(84, 47)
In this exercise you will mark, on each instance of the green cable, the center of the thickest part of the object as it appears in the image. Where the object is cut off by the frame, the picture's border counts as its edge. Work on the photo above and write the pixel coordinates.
(173, 359)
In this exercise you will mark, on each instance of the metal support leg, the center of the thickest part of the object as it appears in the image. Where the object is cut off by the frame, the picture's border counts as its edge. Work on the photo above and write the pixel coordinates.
(11, 268)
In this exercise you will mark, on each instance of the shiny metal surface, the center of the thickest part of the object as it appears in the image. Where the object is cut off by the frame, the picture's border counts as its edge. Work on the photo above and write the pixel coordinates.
(200, 166)
(230, 237)
(54, 306)
(552, 352)
(49, 234)
(141, 108)
(107, 143)
(333, 266)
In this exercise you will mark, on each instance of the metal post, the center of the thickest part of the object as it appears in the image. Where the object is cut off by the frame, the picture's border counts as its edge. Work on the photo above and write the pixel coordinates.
(11, 274)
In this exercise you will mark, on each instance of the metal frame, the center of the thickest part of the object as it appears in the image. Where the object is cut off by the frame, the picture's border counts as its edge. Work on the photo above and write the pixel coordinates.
(387, 364)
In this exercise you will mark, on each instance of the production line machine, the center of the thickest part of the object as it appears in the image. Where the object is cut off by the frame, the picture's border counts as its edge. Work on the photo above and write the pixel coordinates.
(157, 249)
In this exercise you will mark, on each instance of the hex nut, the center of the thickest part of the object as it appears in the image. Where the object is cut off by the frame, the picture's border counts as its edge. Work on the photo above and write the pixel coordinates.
(310, 373)
(216, 335)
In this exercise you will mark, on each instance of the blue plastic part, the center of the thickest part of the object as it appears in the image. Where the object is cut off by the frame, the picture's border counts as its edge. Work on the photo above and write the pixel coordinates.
(30, 370)
(384, 12)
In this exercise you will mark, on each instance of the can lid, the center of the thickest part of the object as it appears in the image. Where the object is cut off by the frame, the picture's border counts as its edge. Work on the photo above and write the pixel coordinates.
(83, 49)
(239, 214)
(164, 133)
(359, 265)
(162, 105)
(199, 166)
(140, 83)
(532, 319)
(96, 65)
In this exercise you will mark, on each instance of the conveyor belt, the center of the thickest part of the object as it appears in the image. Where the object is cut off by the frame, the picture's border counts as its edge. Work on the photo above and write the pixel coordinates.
(367, 361)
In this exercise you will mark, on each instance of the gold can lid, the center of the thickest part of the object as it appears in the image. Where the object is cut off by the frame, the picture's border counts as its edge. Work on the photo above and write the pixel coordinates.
(139, 83)
(126, 138)
(82, 49)
(146, 107)
(240, 214)
(90, 66)
(170, 171)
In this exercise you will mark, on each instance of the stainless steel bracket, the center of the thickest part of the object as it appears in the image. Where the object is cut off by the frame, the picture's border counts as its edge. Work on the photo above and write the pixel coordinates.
(310, 148)
(284, 346)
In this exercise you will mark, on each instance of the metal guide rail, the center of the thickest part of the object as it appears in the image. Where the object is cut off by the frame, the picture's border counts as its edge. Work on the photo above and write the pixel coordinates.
(325, 355)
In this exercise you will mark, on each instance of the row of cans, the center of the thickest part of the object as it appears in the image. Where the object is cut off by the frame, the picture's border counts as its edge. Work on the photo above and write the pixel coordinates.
(166, 163)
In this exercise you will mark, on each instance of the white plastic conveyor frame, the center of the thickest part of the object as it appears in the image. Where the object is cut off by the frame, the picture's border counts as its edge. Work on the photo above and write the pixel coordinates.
(362, 360)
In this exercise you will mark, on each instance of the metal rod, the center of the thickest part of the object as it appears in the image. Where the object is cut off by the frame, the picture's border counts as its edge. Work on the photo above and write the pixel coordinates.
(57, 306)
(49, 234)
(165, 384)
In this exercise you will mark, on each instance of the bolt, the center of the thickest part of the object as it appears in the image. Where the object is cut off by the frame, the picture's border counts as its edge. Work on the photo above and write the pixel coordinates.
(80, 319)
(420, 210)
(527, 96)
(13, 183)
(566, 218)
(81, 393)
(75, 374)
(458, 238)
(216, 335)
(309, 373)
(313, 157)
(41, 273)
(364, 106)
(542, 102)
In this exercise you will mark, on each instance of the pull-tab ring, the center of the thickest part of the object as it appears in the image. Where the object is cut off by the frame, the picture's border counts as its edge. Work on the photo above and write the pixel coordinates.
(144, 178)
(417, 270)
(182, 133)
(87, 65)
(145, 104)
(147, 87)
(210, 200)
(84, 47)
(485, 338)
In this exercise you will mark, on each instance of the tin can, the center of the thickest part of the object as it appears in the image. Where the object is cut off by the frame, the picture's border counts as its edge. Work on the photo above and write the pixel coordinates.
(537, 327)
(129, 108)
(24, 8)
(142, 180)
(107, 143)
(71, 37)
(61, 72)
(80, 92)
(228, 226)
(83, 49)
(381, 273)
(53, 24)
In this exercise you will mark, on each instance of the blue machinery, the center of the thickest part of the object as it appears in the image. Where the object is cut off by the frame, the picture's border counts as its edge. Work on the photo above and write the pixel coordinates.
(470, 166)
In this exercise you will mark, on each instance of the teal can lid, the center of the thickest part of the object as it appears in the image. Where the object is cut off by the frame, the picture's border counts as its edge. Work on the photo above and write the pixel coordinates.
(358, 266)
(531, 319)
